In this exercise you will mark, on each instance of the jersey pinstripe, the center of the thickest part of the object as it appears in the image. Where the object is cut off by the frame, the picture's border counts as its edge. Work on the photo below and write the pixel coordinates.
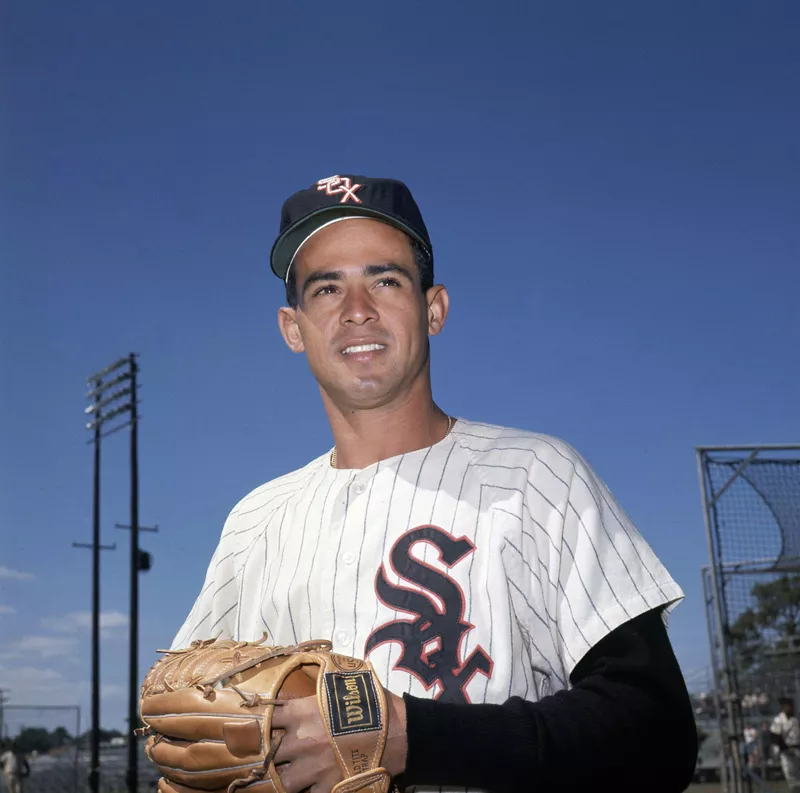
(482, 567)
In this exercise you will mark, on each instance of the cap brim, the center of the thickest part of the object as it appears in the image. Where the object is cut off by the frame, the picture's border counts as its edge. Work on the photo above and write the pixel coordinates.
(286, 245)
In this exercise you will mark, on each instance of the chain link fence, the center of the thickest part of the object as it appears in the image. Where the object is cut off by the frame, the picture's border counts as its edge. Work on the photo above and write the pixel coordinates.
(58, 753)
(751, 504)
(48, 776)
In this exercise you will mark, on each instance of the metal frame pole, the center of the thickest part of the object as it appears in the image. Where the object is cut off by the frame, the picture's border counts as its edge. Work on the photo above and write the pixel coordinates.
(708, 601)
(759, 447)
(729, 748)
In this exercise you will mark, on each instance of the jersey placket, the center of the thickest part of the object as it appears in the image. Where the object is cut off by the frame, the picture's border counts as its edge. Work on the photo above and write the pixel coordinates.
(342, 567)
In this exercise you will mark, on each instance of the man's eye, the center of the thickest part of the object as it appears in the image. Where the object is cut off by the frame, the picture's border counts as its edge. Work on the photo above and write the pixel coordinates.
(328, 289)
(388, 281)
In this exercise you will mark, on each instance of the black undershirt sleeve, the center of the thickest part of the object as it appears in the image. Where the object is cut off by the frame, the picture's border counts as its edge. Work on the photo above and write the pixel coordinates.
(625, 723)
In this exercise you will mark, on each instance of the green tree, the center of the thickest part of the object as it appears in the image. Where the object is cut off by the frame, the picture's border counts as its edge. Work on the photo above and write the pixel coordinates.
(771, 624)
(60, 737)
(34, 739)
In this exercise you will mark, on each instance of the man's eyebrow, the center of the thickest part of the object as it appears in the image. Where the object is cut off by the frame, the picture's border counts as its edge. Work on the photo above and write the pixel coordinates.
(331, 275)
(389, 267)
(369, 270)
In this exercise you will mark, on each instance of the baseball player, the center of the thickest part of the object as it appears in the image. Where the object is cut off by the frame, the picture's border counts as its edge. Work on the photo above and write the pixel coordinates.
(513, 613)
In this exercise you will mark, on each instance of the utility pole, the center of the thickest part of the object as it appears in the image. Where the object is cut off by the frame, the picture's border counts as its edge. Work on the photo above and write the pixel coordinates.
(96, 547)
(140, 562)
(101, 398)
(133, 671)
(96, 393)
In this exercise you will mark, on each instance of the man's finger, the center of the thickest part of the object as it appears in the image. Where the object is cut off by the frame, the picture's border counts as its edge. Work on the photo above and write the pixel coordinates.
(297, 776)
(286, 746)
(285, 714)
(324, 785)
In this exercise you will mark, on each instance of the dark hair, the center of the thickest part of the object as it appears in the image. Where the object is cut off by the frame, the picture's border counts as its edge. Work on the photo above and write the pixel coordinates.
(422, 257)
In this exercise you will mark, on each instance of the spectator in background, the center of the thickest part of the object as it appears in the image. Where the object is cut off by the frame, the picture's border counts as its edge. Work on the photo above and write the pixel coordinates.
(751, 753)
(15, 768)
(765, 746)
(786, 734)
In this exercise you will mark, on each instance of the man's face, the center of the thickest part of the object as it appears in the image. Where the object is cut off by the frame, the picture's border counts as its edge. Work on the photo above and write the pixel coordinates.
(361, 317)
(788, 709)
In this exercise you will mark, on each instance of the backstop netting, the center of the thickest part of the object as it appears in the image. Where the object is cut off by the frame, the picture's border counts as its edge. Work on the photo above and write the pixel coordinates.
(751, 500)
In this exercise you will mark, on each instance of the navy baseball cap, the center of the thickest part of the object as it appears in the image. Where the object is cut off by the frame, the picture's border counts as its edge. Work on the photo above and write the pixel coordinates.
(339, 197)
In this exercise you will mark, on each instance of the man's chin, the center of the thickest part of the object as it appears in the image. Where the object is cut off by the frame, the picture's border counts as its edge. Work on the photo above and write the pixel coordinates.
(362, 394)
(369, 398)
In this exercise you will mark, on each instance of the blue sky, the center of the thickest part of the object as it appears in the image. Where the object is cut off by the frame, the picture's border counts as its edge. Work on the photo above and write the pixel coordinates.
(612, 194)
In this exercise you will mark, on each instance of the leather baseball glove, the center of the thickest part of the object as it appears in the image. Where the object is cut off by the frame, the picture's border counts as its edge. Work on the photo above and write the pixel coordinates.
(208, 714)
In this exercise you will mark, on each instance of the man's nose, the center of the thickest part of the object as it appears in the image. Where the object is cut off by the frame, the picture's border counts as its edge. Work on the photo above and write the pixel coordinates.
(358, 307)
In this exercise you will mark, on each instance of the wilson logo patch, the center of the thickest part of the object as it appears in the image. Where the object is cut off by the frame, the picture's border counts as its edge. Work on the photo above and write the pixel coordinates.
(352, 702)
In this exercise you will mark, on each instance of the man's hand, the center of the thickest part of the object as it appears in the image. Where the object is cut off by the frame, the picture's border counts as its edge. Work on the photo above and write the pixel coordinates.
(212, 721)
(306, 748)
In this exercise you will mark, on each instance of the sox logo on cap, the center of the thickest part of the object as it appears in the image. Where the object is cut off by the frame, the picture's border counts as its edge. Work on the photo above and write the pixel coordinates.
(336, 185)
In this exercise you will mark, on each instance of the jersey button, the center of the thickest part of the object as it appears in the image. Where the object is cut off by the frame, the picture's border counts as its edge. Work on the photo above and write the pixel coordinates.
(348, 557)
(343, 638)
(359, 488)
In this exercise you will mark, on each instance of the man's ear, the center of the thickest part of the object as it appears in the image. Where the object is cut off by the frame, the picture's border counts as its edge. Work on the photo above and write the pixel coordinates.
(438, 305)
(287, 322)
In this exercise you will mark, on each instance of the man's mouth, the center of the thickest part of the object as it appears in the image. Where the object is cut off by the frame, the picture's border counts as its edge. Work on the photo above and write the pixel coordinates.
(363, 348)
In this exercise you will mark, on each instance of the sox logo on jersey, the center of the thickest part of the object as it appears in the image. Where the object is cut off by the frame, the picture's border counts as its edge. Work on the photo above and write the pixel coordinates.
(482, 567)
(431, 643)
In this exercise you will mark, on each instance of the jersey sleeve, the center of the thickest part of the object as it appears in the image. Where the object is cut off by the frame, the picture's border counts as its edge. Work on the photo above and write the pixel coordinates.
(213, 614)
(607, 572)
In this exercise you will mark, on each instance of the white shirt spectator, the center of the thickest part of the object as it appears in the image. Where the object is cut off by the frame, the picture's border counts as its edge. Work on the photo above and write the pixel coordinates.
(10, 763)
(787, 728)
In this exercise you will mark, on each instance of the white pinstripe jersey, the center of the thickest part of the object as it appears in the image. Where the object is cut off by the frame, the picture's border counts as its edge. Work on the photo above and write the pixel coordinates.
(478, 568)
